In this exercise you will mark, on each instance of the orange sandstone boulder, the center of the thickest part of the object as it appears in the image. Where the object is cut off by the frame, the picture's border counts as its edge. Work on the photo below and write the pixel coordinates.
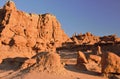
(110, 63)
(81, 58)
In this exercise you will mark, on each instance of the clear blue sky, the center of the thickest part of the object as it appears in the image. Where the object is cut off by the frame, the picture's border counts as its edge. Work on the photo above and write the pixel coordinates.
(100, 17)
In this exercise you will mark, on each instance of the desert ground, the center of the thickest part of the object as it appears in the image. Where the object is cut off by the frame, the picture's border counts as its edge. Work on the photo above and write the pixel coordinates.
(34, 46)
(70, 71)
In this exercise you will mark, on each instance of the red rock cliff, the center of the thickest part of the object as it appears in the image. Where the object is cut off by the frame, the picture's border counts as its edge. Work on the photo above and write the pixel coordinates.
(26, 32)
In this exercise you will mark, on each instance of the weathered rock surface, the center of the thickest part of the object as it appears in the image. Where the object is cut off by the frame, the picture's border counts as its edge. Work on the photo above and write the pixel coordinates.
(95, 58)
(87, 38)
(90, 39)
(81, 61)
(28, 63)
(110, 63)
(24, 34)
(109, 39)
(44, 61)
(81, 58)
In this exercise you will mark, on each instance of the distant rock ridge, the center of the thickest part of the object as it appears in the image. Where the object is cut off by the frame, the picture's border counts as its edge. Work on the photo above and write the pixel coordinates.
(90, 39)
(24, 34)
(86, 38)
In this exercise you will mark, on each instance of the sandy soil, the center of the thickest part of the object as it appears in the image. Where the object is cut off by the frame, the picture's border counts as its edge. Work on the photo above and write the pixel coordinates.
(70, 72)
(67, 74)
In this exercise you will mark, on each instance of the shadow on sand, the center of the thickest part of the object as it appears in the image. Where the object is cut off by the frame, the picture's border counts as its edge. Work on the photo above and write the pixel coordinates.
(12, 63)
(74, 68)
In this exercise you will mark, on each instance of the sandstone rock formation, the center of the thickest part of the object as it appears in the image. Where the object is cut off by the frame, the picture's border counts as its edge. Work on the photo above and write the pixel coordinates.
(81, 61)
(28, 63)
(90, 39)
(81, 58)
(95, 58)
(97, 50)
(110, 63)
(24, 34)
(109, 39)
(87, 38)
(29, 41)
(44, 61)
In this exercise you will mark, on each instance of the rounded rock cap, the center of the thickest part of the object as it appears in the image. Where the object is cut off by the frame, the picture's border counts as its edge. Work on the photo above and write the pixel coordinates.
(10, 5)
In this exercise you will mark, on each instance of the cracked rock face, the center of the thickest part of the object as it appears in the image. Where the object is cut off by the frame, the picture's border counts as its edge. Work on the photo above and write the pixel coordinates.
(25, 34)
